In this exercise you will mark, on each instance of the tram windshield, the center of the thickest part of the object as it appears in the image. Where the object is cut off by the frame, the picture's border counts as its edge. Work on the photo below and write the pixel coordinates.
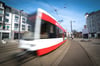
(49, 30)
(29, 34)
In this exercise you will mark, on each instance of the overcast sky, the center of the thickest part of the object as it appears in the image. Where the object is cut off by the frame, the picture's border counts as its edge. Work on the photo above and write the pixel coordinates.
(66, 10)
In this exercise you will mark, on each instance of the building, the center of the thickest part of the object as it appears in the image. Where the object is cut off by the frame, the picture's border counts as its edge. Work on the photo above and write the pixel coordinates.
(93, 24)
(3, 22)
(11, 20)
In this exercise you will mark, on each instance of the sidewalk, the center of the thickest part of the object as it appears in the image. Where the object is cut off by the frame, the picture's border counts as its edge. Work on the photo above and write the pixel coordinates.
(5, 42)
(93, 49)
(8, 49)
(76, 56)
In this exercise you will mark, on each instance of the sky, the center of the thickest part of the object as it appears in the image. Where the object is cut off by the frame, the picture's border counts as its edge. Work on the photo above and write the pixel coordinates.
(66, 10)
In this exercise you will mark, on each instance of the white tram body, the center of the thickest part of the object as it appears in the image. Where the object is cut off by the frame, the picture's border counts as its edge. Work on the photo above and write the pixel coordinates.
(45, 34)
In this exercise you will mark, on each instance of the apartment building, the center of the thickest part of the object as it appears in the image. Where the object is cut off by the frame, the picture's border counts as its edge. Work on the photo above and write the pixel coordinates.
(11, 20)
(93, 24)
(4, 22)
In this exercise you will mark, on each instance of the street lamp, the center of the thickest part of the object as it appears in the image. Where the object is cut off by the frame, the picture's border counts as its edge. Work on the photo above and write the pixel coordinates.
(19, 23)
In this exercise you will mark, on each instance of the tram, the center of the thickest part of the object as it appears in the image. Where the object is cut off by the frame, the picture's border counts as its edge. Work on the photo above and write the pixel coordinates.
(45, 34)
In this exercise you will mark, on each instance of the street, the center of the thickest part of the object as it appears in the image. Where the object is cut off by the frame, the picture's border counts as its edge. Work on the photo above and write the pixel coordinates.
(76, 56)
(72, 53)
(49, 33)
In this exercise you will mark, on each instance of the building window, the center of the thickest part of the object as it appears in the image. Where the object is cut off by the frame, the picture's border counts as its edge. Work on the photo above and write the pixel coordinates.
(23, 27)
(16, 18)
(1, 11)
(0, 4)
(0, 26)
(23, 20)
(0, 18)
(15, 26)
(7, 14)
(6, 20)
(6, 27)
(5, 35)
(8, 10)
(29, 28)
(16, 12)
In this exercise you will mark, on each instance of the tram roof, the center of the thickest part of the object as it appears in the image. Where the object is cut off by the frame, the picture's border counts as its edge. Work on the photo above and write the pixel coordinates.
(47, 17)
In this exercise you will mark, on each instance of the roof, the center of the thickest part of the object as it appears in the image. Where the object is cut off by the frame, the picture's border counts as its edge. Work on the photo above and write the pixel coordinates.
(47, 17)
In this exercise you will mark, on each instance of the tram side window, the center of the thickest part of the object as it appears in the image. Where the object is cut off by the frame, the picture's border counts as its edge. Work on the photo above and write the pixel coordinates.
(65, 37)
(48, 30)
(52, 31)
(59, 33)
(65, 34)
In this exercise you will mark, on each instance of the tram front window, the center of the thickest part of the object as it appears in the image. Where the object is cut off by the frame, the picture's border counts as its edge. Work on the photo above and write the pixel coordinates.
(49, 30)
(28, 36)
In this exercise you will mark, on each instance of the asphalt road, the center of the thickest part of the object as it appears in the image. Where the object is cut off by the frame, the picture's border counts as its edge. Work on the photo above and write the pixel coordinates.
(70, 53)
(76, 56)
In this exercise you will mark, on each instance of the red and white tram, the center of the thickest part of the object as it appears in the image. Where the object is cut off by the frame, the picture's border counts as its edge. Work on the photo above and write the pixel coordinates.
(45, 34)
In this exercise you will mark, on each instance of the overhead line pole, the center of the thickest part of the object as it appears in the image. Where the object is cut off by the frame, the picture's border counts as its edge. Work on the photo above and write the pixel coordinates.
(71, 28)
